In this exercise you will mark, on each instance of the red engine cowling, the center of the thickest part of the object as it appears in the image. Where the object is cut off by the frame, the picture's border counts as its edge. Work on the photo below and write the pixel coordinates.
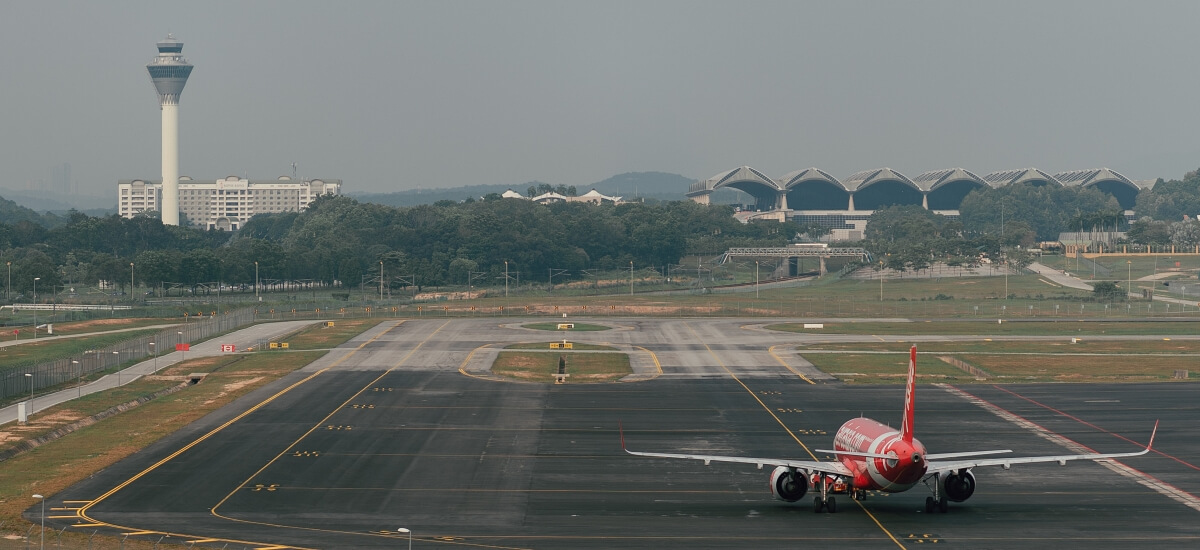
(959, 486)
(788, 485)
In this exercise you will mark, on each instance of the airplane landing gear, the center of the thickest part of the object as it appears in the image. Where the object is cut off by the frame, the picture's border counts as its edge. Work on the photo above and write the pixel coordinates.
(825, 502)
(937, 502)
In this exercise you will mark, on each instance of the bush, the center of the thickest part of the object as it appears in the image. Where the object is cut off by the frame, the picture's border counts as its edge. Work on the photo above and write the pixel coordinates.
(343, 296)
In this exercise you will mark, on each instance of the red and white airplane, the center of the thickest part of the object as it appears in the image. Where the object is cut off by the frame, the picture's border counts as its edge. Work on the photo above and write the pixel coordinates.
(873, 456)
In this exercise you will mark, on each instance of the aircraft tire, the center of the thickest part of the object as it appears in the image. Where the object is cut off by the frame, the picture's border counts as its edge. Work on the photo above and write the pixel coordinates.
(943, 505)
(818, 505)
(929, 505)
(831, 506)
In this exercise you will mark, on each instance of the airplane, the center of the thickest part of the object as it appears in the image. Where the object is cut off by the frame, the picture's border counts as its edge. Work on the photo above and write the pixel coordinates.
(874, 456)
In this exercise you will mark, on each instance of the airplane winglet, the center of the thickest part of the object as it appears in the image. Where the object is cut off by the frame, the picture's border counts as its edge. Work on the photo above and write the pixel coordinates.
(1152, 434)
(621, 430)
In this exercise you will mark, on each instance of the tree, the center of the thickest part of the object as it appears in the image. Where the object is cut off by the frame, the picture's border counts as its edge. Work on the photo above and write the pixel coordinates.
(1108, 291)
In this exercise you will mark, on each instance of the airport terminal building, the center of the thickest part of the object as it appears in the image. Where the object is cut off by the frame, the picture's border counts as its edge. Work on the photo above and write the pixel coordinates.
(225, 204)
(813, 196)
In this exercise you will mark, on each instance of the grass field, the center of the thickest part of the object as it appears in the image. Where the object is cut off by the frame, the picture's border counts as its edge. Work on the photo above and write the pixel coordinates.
(41, 350)
(582, 367)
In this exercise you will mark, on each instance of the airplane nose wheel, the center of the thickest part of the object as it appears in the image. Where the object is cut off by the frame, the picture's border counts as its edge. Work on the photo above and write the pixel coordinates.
(827, 505)
(938, 504)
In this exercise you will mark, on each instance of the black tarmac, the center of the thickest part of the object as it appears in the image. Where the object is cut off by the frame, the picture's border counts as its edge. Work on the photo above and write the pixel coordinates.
(404, 428)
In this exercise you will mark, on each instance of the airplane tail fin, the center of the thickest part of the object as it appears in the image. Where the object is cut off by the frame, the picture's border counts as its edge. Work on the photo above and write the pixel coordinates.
(906, 428)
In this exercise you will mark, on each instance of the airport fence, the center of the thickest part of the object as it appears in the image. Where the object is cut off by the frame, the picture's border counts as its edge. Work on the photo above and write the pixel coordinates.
(19, 381)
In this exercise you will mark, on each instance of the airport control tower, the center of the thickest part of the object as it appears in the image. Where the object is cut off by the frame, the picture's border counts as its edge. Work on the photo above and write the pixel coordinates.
(170, 71)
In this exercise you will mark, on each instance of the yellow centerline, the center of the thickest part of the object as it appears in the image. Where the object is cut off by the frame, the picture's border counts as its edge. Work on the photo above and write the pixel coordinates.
(785, 428)
(771, 350)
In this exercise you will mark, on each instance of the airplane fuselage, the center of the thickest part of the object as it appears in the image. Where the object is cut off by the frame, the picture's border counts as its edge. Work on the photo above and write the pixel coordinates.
(863, 435)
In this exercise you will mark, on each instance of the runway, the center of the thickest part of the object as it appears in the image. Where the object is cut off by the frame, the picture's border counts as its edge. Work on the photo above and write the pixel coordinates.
(403, 427)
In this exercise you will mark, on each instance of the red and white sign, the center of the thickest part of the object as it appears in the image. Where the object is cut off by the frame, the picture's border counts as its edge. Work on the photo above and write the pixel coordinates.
(228, 348)
(182, 347)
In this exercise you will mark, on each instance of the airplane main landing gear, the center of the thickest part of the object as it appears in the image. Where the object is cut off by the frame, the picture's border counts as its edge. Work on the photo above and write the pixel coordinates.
(938, 501)
(827, 504)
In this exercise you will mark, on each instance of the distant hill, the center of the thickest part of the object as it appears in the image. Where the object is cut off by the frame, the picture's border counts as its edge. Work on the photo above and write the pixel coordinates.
(12, 213)
(631, 185)
(49, 201)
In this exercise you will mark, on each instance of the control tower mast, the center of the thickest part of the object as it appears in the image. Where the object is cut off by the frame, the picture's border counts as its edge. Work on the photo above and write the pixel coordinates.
(169, 71)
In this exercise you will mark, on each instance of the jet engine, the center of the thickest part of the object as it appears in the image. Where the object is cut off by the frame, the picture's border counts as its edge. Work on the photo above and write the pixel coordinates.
(959, 486)
(787, 484)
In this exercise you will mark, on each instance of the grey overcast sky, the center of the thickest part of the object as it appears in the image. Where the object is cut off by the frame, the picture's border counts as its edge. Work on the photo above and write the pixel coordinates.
(397, 95)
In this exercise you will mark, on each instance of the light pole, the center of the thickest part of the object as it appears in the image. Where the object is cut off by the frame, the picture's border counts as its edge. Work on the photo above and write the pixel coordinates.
(79, 384)
(256, 281)
(631, 277)
(43, 532)
(131, 281)
(1128, 278)
(154, 349)
(506, 278)
(881, 279)
(8, 287)
(29, 375)
(118, 354)
(755, 279)
(380, 281)
(35, 280)
(404, 530)
(184, 352)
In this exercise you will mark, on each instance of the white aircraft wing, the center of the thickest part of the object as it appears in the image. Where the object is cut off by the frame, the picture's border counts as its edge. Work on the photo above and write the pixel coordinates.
(1006, 463)
(835, 468)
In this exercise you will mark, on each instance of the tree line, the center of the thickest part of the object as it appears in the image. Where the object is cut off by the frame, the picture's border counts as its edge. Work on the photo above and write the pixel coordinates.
(339, 239)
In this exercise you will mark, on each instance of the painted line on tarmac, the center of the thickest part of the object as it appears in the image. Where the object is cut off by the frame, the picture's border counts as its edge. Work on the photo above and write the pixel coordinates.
(1144, 479)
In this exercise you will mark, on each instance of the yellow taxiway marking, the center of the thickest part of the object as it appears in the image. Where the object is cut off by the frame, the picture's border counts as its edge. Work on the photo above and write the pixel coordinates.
(136, 533)
(83, 511)
(771, 350)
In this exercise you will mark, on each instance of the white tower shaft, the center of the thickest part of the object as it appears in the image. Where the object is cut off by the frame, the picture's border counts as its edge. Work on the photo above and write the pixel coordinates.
(170, 163)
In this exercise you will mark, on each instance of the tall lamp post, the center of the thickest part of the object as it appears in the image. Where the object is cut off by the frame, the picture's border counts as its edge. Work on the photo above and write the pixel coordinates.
(154, 349)
(256, 281)
(506, 278)
(404, 530)
(35, 280)
(43, 532)
(1128, 278)
(8, 287)
(29, 375)
(631, 277)
(131, 281)
(755, 279)
(380, 281)
(118, 354)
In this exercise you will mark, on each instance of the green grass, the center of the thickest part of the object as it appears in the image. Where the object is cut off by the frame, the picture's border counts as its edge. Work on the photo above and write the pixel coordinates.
(1063, 346)
(319, 336)
(41, 350)
(582, 367)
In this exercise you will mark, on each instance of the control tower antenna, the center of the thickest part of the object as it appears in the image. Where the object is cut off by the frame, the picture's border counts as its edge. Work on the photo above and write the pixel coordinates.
(169, 71)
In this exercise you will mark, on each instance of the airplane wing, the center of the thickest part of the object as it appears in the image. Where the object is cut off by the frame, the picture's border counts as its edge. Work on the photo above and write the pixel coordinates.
(810, 466)
(835, 468)
(1006, 463)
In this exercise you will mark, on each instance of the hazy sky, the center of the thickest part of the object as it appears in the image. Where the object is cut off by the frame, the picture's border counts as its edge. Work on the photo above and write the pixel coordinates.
(397, 95)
